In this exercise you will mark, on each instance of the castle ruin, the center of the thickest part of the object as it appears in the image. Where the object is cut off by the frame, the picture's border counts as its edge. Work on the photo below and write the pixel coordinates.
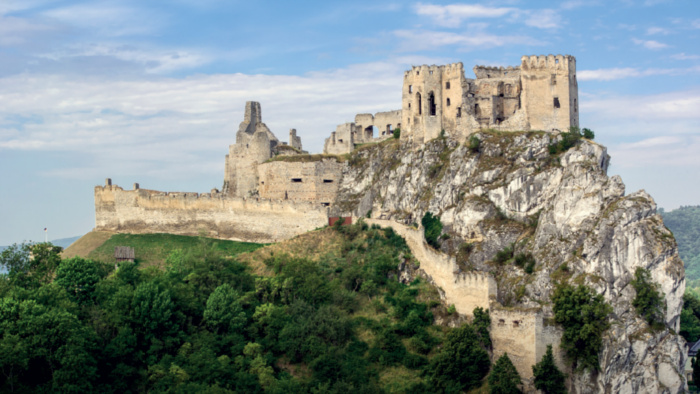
(268, 196)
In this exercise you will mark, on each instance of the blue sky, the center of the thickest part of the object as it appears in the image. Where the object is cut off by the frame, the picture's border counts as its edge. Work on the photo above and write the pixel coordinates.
(153, 91)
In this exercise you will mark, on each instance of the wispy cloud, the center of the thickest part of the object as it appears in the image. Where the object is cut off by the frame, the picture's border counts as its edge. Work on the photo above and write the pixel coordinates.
(454, 14)
(657, 30)
(650, 44)
(155, 60)
(110, 19)
(419, 40)
(683, 56)
(544, 19)
(610, 74)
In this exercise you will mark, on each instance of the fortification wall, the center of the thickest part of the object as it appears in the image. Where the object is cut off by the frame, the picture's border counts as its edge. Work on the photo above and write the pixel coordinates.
(465, 291)
(341, 140)
(524, 335)
(217, 215)
(311, 181)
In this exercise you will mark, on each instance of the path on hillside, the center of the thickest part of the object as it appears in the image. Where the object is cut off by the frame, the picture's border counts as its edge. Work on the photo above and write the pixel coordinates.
(465, 291)
(86, 244)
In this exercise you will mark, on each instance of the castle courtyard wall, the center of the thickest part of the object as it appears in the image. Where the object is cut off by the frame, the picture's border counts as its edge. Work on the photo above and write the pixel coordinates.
(315, 181)
(217, 215)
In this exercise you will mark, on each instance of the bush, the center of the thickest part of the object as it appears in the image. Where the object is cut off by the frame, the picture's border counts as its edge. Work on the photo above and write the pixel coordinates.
(584, 317)
(588, 133)
(460, 365)
(504, 378)
(397, 133)
(482, 322)
(432, 229)
(648, 302)
(526, 261)
(474, 143)
(502, 256)
(568, 140)
(548, 378)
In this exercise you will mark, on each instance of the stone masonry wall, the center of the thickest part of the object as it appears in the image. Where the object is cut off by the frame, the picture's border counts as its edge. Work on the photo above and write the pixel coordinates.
(217, 215)
(311, 181)
(465, 290)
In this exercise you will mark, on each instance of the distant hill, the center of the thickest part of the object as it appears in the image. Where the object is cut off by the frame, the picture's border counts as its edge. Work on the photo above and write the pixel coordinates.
(684, 222)
(65, 242)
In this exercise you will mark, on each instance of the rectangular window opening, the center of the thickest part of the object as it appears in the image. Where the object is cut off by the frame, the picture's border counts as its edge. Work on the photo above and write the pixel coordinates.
(554, 79)
(410, 88)
(296, 180)
(326, 204)
(327, 181)
(556, 103)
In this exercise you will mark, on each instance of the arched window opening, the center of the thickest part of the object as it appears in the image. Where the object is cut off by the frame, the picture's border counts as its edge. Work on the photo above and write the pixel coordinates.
(431, 104)
(410, 88)
(369, 133)
(459, 112)
(420, 106)
(476, 110)
(448, 102)
(388, 129)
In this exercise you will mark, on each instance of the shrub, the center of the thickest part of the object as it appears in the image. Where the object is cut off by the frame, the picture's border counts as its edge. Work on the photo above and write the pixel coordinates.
(474, 143)
(504, 378)
(482, 322)
(504, 255)
(588, 133)
(397, 133)
(432, 229)
(460, 365)
(452, 309)
(526, 261)
(568, 140)
(648, 302)
(584, 317)
(548, 378)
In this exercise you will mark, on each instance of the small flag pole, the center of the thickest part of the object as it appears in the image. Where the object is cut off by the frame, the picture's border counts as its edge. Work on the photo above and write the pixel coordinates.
(46, 235)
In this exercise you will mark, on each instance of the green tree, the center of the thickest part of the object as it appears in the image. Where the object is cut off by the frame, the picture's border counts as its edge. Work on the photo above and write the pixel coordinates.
(432, 228)
(504, 378)
(461, 364)
(648, 302)
(588, 133)
(224, 312)
(482, 322)
(397, 133)
(584, 316)
(79, 277)
(690, 317)
(548, 378)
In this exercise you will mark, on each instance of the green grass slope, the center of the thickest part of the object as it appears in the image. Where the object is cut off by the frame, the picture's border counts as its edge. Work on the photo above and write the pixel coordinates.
(153, 249)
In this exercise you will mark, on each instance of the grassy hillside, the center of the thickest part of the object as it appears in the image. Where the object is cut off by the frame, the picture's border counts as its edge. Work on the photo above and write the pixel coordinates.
(684, 222)
(153, 249)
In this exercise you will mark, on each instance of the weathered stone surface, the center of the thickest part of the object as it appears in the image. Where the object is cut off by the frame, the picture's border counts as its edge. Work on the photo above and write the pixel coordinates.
(563, 209)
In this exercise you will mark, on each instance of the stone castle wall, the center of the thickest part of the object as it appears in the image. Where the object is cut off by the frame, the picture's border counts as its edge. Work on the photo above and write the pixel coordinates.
(214, 214)
(315, 181)
(524, 336)
(465, 291)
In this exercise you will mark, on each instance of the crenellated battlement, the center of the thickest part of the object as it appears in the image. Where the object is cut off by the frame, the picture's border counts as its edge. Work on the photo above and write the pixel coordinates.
(549, 62)
(426, 70)
(496, 72)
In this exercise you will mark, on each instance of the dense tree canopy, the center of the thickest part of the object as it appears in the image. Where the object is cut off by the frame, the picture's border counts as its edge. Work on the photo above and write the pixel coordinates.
(206, 323)
(684, 222)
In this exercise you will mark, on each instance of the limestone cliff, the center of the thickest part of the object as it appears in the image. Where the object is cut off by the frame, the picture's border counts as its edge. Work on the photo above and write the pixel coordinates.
(564, 209)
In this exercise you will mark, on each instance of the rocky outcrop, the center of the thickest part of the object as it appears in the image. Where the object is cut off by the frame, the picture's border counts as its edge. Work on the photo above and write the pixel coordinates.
(562, 208)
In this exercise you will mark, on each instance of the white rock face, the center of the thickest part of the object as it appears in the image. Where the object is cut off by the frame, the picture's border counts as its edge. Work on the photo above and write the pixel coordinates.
(563, 209)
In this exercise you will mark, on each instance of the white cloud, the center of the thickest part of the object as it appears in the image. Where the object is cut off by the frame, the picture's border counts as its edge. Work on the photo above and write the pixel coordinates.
(18, 31)
(544, 19)
(650, 44)
(419, 40)
(452, 15)
(683, 56)
(657, 30)
(156, 60)
(164, 125)
(108, 19)
(610, 74)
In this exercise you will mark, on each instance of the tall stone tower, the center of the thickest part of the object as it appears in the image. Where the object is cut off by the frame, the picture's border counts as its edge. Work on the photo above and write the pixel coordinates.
(254, 144)
(431, 100)
(550, 91)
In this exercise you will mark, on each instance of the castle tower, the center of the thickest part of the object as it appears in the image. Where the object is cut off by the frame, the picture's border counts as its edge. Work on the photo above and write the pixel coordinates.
(431, 101)
(254, 145)
(550, 91)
